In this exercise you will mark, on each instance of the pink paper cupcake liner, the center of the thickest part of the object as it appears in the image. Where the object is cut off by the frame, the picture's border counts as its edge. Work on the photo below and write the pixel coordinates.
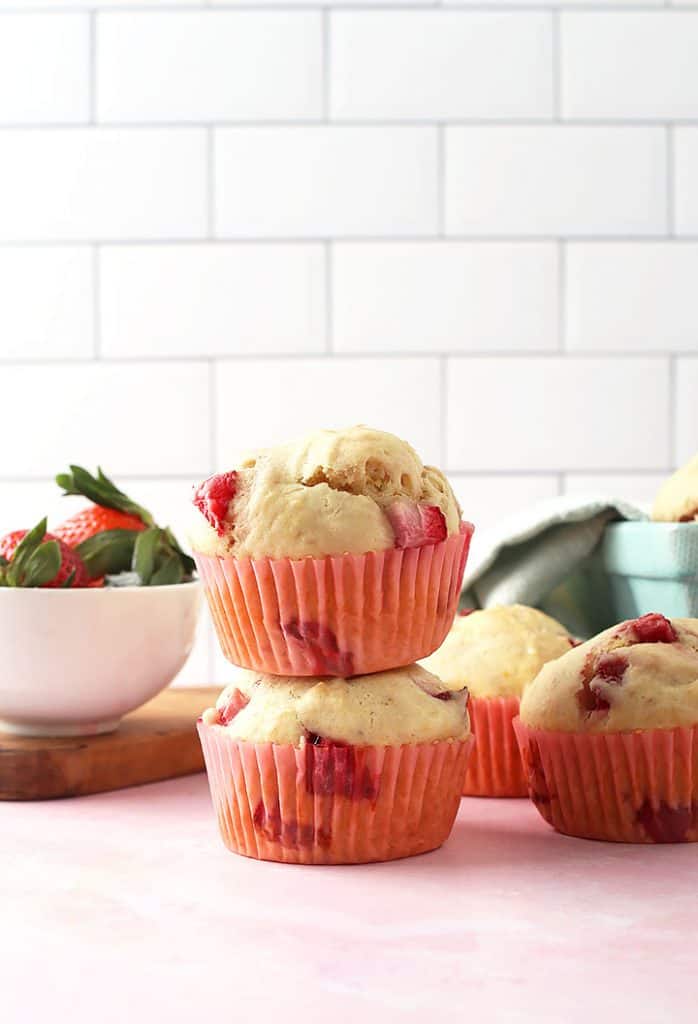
(625, 787)
(333, 804)
(340, 616)
(495, 768)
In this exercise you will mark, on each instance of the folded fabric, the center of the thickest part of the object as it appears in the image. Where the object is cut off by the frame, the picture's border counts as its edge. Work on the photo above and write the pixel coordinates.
(544, 556)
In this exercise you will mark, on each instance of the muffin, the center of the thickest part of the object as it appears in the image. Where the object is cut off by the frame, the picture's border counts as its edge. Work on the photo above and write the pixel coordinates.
(339, 554)
(609, 737)
(677, 499)
(496, 653)
(333, 771)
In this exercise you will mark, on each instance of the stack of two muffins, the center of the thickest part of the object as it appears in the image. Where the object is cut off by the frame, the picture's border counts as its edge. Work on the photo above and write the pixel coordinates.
(330, 565)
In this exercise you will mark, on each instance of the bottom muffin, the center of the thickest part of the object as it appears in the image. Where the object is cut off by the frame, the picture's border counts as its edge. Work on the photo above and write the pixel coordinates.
(336, 771)
(609, 734)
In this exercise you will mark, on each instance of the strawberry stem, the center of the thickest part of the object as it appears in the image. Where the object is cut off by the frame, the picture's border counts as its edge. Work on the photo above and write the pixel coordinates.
(154, 553)
(102, 491)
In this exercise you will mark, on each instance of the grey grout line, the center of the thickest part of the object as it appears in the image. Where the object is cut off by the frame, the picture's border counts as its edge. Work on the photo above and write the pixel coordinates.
(326, 65)
(443, 419)
(386, 240)
(557, 65)
(212, 416)
(298, 123)
(593, 6)
(526, 355)
(329, 298)
(210, 183)
(670, 181)
(673, 397)
(92, 68)
(96, 303)
(562, 297)
(441, 180)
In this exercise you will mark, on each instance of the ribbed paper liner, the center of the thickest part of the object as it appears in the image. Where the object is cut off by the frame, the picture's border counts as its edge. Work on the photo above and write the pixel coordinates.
(626, 787)
(495, 768)
(341, 616)
(333, 805)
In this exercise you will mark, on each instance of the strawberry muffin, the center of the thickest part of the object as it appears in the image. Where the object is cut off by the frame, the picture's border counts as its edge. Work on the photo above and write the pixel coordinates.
(333, 771)
(609, 734)
(677, 499)
(496, 653)
(338, 554)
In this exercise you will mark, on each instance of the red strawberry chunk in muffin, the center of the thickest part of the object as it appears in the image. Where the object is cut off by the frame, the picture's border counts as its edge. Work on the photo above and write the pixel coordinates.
(213, 498)
(321, 648)
(653, 628)
(333, 768)
(611, 667)
(416, 525)
(666, 824)
(233, 705)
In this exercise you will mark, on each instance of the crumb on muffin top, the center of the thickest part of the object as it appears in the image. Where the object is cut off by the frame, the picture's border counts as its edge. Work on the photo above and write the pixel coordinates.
(333, 492)
(677, 498)
(404, 705)
(640, 674)
(496, 652)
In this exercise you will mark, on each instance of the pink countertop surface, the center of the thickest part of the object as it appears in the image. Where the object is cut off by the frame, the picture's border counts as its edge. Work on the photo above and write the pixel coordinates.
(126, 907)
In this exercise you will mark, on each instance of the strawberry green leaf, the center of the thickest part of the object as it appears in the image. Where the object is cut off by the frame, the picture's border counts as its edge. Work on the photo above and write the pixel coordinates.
(109, 552)
(42, 565)
(67, 583)
(3, 562)
(168, 572)
(23, 552)
(144, 554)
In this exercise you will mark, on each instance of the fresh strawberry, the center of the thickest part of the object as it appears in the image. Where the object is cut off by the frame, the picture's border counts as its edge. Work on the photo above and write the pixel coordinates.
(213, 497)
(35, 558)
(95, 519)
(114, 534)
(416, 525)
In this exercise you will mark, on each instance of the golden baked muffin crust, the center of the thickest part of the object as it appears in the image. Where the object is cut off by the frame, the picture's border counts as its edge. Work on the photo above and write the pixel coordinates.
(333, 492)
(405, 705)
(640, 674)
(496, 652)
(677, 498)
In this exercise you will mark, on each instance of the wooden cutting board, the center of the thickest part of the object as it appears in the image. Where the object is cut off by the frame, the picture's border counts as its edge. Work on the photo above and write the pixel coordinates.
(156, 742)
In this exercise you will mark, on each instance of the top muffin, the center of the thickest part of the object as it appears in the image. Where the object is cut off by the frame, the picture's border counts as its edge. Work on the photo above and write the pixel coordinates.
(498, 651)
(640, 674)
(677, 499)
(333, 492)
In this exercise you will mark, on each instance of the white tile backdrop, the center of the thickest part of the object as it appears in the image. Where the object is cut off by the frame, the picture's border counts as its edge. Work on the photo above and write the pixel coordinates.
(475, 224)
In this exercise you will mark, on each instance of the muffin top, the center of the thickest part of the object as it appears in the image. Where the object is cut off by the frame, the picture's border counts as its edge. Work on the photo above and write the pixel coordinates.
(498, 651)
(640, 674)
(404, 705)
(334, 492)
(677, 498)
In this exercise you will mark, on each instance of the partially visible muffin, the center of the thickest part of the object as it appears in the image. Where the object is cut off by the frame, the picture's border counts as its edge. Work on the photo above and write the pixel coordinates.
(332, 770)
(677, 498)
(496, 652)
(609, 734)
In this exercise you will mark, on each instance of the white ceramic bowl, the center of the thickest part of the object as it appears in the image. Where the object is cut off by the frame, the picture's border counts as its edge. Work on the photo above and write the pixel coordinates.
(75, 661)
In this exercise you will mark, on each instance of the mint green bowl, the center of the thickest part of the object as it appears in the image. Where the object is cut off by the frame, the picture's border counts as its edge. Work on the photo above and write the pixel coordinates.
(651, 567)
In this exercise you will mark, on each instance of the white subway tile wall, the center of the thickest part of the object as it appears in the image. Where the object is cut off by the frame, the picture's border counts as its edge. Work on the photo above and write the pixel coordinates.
(474, 223)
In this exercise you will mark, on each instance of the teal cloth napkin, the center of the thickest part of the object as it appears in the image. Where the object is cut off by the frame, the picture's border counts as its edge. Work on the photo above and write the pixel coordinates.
(545, 556)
